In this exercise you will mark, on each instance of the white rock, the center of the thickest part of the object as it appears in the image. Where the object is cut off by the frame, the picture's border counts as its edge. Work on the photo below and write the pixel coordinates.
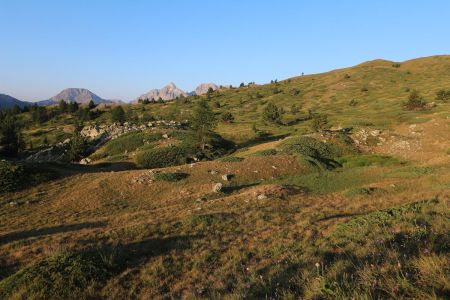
(217, 187)
(261, 197)
(226, 177)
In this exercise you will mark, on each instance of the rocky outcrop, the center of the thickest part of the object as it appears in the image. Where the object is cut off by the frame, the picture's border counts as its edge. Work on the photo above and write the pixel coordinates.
(97, 135)
(102, 133)
(55, 153)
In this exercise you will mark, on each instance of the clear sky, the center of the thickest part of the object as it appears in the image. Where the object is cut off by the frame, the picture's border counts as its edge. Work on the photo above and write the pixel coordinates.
(121, 49)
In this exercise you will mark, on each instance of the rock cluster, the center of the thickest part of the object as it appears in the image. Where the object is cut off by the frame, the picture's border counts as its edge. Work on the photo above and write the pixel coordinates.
(360, 137)
(145, 177)
(51, 154)
(100, 133)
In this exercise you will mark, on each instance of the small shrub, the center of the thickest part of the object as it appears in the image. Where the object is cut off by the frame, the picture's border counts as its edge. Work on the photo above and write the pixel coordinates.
(396, 65)
(231, 159)
(353, 102)
(295, 109)
(363, 191)
(11, 176)
(62, 276)
(266, 152)
(227, 117)
(443, 95)
(271, 113)
(171, 177)
(306, 146)
(312, 151)
(319, 122)
(129, 142)
(118, 114)
(14, 176)
(415, 101)
(368, 160)
(161, 157)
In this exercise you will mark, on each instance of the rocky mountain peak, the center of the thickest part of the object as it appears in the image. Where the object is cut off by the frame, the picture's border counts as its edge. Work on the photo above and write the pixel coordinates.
(204, 87)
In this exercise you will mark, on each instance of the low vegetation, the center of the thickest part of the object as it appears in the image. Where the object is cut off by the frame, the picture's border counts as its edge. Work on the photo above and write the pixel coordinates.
(171, 177)
(17, 176)
(326, 186)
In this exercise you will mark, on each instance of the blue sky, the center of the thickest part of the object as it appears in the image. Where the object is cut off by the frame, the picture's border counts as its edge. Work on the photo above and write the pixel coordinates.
(121, 49)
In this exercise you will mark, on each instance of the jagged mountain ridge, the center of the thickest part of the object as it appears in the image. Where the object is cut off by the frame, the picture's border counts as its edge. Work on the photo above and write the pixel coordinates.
(171, 91)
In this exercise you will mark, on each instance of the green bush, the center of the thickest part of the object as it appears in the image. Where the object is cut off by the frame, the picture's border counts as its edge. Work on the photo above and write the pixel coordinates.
(215, 147)
(77, 147)
(317, 153)
(14, 176)
(358, 228)
(161, 157)
(319, 122)
(368, 160)
(266, 152)
(130, 142)
(11, 176)
(227, 117)
(183, 152)
(415, 101)
(171, 177)
(443, 95)
(271, 113)
(363, 191)
(62, 276)
(307, 146)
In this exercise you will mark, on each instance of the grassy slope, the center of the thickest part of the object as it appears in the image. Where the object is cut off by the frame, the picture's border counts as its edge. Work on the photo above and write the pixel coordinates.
(355, 233)
(330, 93)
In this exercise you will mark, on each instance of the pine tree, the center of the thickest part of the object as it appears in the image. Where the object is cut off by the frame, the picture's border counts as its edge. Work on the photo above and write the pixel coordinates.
(62, 106)
(91, 105)
(10, 139)
(203, 121)
(118, 114)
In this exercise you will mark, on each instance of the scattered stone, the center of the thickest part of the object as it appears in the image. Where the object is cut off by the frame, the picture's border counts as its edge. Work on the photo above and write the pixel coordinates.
(13, 203)
(213, 172)
(217, 187)
(227, 177)
(165, 135)
(85, 161)
(261, 197)
(274, 191)
(201, 199)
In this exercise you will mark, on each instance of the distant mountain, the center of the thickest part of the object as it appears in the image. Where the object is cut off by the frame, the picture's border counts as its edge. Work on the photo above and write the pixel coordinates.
(82, 96)
(7, 101)
(203, 88)
(169, 92)
(46, 102)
